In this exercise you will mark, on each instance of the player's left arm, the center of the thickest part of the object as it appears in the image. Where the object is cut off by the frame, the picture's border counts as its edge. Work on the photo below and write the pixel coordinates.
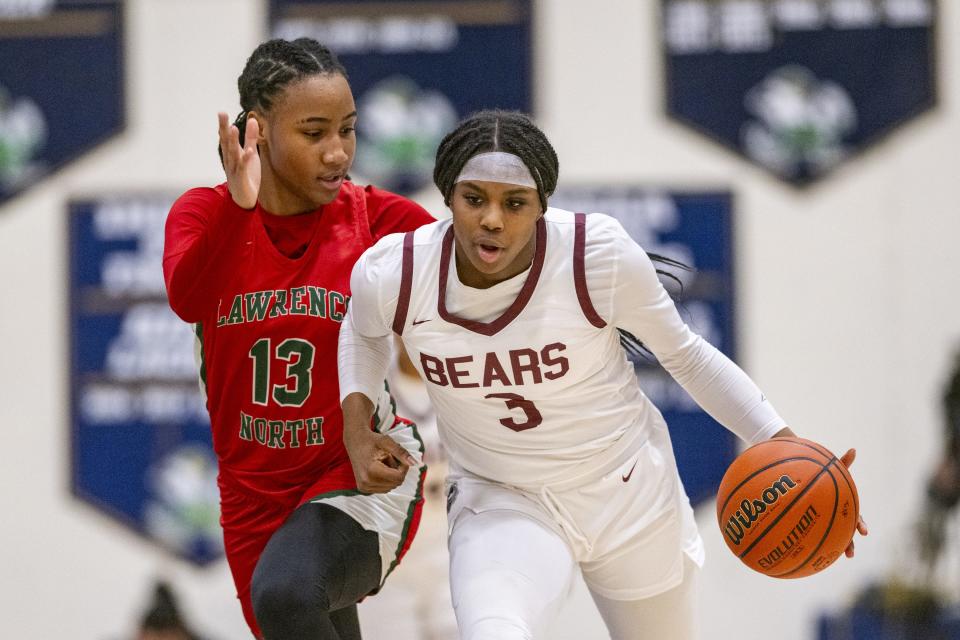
(630, 296)
(639, 303)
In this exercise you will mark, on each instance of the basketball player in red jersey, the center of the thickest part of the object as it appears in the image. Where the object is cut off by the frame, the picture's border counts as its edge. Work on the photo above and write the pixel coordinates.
(261, 266)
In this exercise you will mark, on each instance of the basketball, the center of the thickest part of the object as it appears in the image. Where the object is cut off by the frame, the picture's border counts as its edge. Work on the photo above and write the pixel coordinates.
(787, 507)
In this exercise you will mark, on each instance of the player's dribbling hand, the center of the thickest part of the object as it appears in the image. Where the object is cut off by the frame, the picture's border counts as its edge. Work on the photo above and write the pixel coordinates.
(379, 463)
(847, 460)
(241, 164)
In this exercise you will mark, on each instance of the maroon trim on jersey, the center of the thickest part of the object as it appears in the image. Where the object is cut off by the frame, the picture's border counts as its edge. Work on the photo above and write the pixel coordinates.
(580, 271)
(406, 284)
(491, 328)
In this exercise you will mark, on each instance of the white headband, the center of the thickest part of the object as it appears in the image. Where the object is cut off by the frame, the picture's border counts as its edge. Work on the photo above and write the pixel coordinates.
(497, 166)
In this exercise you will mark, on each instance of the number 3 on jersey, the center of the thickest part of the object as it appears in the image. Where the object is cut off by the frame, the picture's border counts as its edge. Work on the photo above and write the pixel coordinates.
(295, 389)
(515, 401)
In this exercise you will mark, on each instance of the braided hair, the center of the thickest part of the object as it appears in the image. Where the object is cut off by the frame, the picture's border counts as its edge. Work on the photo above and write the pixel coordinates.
(496, 130)
(273, 66)
(514, 132)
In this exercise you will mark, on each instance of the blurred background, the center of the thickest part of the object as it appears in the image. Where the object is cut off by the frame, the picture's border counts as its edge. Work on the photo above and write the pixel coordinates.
(800, 154)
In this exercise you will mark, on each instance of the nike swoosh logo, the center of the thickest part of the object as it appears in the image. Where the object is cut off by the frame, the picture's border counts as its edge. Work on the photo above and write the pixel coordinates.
(626, 478)
(416, 322)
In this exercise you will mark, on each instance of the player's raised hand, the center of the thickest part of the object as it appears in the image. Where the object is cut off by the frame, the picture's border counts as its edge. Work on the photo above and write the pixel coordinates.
(847, 460)
(241, 163)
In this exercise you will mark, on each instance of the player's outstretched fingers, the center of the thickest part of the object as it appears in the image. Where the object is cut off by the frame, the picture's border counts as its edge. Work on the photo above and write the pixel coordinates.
(223, 123)
(250, 135)
(224, 129)
(229, 143)
(240, 164)
(848, 458)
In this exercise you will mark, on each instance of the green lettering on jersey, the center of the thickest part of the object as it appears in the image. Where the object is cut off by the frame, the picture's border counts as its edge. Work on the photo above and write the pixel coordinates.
(276, 435)
(314, 431)
(246, 422)
(280, 305)
(318, 301)
(236, 311)
(257, 304)
(335, 297)
(297, 305)
(260, 430)
(221, 320)
(294, 427)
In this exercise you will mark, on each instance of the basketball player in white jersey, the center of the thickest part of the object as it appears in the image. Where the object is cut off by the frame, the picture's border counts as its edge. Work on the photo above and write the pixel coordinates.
(558, 461)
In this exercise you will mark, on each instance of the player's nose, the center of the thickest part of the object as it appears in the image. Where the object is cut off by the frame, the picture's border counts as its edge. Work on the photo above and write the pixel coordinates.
(492, 218)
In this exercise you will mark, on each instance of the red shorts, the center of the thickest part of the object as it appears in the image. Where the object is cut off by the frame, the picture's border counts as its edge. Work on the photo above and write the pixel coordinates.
(248, 522)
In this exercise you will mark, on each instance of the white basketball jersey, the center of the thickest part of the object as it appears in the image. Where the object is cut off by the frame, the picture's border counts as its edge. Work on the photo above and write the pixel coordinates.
(541, 394)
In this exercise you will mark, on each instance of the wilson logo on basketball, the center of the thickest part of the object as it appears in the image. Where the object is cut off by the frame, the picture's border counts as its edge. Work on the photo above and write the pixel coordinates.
(750, 511)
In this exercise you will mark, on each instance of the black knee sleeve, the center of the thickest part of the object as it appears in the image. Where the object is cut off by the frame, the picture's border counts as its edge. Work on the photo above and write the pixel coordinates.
(319, 561)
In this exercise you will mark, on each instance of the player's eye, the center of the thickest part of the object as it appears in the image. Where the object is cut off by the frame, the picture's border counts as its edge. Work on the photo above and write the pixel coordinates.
(347, 131)
(473, 200)
(515, 203)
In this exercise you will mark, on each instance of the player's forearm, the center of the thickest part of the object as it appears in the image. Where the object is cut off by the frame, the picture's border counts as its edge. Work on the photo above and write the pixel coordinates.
(724, 391)
(357, 413)
(362, 361)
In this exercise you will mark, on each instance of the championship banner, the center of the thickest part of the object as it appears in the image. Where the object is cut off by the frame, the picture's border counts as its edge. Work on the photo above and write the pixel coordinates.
(798, 86)
(417, 68)
(141, 445)
(61, 84)
(695, 229)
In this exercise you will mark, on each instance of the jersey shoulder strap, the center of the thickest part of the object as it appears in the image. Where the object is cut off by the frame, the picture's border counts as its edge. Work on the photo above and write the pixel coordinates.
(406, 284)
(579, 272)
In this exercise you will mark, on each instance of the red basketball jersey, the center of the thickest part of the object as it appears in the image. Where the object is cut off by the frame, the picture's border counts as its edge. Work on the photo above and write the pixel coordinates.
(267, 324)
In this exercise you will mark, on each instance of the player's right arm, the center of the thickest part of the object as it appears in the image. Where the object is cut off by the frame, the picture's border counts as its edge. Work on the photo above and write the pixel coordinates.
(203, 221)
(379, 462)
(200, 226)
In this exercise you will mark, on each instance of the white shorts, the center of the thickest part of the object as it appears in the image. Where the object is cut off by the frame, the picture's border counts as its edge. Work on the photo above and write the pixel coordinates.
(628, 530)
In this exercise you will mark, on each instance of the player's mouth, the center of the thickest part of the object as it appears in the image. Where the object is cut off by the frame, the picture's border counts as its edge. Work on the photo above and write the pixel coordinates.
(489, 252)
(331, 181)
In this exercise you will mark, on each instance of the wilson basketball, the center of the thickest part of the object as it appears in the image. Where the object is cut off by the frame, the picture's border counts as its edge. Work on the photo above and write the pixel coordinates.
(787, 507)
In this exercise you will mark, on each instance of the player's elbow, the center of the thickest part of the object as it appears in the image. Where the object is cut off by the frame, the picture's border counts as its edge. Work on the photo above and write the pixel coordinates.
(186, 310)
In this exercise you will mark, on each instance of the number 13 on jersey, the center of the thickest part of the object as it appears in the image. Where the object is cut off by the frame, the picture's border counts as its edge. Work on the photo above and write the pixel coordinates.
(294, 390)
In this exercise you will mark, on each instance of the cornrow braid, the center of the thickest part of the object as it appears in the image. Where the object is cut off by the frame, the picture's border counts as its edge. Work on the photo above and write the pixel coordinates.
(273, 66)
(496, 130)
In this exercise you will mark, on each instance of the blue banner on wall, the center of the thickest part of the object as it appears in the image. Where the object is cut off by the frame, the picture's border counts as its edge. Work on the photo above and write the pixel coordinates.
(61, 84)
(141, 444)
(417, 68)
(696, 229)
(798, 86)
